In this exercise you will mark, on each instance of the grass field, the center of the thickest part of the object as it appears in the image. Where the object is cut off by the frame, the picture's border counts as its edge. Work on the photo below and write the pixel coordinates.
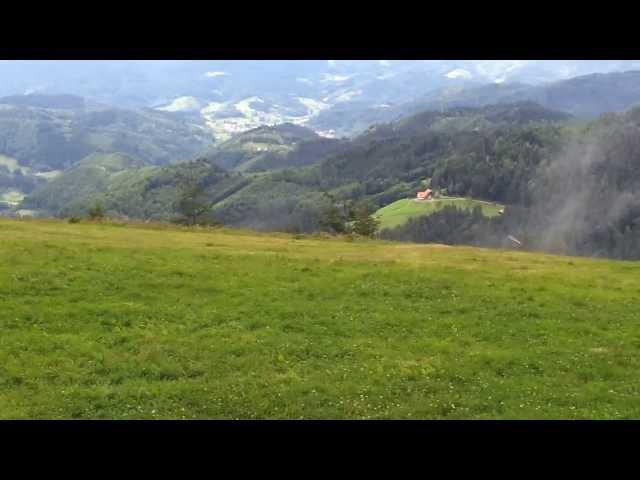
(109, 321)
(397, 213)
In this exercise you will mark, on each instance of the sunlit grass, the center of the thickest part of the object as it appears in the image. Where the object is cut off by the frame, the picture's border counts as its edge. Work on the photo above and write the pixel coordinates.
(152, 321)
(400, 211)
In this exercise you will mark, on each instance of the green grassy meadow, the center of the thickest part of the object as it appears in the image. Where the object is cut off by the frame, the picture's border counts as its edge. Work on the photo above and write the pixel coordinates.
(398, 212)
(123, 321)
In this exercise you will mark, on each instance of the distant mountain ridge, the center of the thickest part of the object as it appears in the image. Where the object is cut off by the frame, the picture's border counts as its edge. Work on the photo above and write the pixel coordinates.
(334, 98)
(585, 96)
(46, 101)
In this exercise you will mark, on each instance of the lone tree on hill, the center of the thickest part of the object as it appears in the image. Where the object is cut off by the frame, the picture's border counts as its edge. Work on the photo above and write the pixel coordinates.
(334, 218)
(365, 223)
(192, 203)
(96, 212)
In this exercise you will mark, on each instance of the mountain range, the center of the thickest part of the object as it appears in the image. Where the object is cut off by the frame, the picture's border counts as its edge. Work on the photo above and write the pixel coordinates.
(273, 177)
(60, 154)
(334, 97)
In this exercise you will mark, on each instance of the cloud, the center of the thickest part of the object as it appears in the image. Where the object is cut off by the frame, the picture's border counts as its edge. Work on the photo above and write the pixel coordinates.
(215, 74)
(386, 76)
(30, 91)
(336, 78)
(459, 73)
(385, 63)
(499, 70)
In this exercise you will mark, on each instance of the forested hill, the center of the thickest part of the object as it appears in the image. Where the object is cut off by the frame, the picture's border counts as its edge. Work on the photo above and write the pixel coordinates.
(482, 152)
(45, 132)
(273, 147)
(582, 200)
(43, 135)
(388, 162)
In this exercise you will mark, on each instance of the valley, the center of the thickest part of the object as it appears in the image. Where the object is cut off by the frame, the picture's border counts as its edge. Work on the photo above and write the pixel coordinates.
(288, 178)
(62, 154)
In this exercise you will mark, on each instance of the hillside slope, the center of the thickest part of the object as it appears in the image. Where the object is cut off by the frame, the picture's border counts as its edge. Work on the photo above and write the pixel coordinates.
(116, 321)
(126, 187)
(581, 199)
(79, 185)
(399, 212)
(46, 132)
(386, 163)
(273, 147)
(43, 135)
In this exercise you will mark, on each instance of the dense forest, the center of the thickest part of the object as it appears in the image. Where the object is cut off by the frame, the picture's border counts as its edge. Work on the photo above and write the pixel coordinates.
(584, 199)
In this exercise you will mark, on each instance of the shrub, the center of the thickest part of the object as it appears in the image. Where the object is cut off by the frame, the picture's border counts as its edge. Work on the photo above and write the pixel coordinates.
(96, 212)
